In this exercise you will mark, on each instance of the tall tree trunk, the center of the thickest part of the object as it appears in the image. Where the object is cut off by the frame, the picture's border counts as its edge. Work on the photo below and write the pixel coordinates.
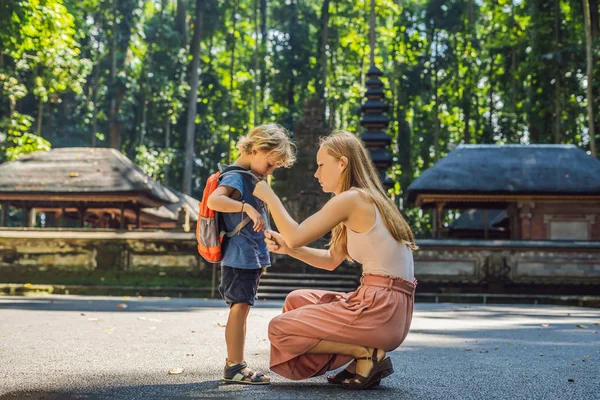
(436, 119)
(39, 117)
(144, 119)
(114, 139)
(181, 20)
(167, 146)
(292, 81)
(400, 103)
(190, 131)
(467, 113)
(372, 33)
(163, 9)
(594, 23)
(513, 95)
(589, 63)
(557, 56)
(404, 140)
(467, 100)
(595, 27)
(231, 80)
(263, 55)
(255, 56)
(333, 108)
(95, 84)
(322, 80)
(126, 17)
(490, 136)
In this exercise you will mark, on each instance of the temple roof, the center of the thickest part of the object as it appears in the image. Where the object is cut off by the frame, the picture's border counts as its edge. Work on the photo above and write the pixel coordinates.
(94, 175)
(498, 170)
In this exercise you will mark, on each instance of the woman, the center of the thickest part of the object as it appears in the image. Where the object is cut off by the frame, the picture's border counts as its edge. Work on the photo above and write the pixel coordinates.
(318, 330)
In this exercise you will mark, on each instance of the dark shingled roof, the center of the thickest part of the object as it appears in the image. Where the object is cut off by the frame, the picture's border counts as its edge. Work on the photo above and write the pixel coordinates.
(511, 169)
(81, 171)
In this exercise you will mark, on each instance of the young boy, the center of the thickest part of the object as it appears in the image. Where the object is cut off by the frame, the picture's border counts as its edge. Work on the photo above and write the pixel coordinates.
(262, 150)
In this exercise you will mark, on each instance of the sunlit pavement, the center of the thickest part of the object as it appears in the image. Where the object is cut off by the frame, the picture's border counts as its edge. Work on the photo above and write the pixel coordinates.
(76, 347)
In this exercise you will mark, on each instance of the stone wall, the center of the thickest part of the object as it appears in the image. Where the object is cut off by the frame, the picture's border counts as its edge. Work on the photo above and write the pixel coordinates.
(112, 258)
(509, 265)
(168, 259)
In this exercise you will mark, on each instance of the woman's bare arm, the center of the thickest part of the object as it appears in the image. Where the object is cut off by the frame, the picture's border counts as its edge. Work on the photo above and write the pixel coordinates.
(336, 211)
(328, 259)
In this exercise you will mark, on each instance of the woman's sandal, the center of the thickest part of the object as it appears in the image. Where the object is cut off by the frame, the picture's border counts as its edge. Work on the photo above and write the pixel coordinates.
(235, 374)
(381, 369)
(341, 376)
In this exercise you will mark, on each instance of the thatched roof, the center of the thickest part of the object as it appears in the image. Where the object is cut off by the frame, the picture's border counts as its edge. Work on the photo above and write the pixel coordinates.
(86, 174)
(511, 169)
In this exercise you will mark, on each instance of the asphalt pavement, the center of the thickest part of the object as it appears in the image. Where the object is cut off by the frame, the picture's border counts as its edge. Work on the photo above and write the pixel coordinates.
(77, 347)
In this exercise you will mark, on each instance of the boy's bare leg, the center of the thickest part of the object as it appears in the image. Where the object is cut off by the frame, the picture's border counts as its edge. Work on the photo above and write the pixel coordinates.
(235, 335)
(235, 332)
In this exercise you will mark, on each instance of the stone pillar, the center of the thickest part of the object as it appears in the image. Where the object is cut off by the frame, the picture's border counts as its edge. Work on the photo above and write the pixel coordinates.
(122, 217)
(31, 218)
(137, 216)
(526, 217)
(81, 211)
(438, 220)
(61, 221)
(4, 214)
(183, 219)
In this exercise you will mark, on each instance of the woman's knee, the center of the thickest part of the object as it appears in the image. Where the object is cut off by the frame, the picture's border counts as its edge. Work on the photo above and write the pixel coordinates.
(296, 299)
(275, 328)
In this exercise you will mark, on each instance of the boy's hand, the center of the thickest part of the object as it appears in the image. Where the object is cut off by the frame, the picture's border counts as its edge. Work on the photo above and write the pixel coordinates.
(275, 242)
(263, 191)
(256, 217)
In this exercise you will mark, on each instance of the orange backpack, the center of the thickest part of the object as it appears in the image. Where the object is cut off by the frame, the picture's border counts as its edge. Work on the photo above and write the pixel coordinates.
(209, 229)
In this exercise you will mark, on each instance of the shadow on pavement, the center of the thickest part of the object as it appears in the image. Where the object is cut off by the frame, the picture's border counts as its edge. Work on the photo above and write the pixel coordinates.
(104, 304)
(215, 389)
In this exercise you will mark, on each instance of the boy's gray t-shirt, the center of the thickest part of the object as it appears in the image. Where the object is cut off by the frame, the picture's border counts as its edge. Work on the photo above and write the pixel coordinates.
(246, 250)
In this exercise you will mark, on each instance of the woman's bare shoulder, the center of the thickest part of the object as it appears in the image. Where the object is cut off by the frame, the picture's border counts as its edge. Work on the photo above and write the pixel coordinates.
(357, 198)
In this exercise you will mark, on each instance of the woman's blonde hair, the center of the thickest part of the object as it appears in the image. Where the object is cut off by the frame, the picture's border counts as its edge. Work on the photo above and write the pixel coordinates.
(272, 138)
(360, 174)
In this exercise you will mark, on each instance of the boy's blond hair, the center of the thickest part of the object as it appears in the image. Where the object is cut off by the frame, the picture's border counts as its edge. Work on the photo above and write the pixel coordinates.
(272, 138)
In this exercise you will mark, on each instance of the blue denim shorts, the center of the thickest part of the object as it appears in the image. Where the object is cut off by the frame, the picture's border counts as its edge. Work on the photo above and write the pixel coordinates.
(239, 285)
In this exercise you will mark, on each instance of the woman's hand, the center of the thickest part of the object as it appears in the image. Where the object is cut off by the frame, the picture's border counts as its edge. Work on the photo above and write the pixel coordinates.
(263, 191)
(275, 242)
(255, 216)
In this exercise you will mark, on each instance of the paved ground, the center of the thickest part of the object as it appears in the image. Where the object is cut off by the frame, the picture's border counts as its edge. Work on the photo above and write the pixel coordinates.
(74, 347)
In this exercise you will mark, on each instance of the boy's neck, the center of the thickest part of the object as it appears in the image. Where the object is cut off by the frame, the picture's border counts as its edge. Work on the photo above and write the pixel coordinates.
(243, 162)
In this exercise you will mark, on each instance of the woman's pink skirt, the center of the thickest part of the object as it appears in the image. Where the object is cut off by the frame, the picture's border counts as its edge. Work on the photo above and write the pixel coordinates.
(377, 314)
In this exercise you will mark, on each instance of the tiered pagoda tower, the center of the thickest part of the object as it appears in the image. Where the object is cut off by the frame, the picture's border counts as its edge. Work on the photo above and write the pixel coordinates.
(374, 123)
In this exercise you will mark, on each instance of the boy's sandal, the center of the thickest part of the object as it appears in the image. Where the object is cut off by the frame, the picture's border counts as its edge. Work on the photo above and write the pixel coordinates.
(235, 374)
(381, 369)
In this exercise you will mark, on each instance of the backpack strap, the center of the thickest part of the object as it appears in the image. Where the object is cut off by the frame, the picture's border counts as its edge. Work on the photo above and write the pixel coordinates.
(238, 228)
(239, 171)
(246, 220)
